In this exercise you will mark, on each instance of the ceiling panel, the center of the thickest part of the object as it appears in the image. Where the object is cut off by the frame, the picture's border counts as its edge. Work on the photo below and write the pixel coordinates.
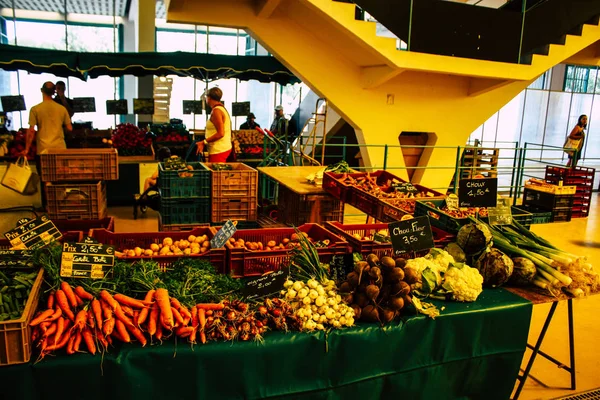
(91, 7)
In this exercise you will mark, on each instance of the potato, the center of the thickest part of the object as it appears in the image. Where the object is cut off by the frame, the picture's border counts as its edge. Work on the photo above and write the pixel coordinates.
(187, 252)
(191, 238)
(154, 247)
(130, 253)
(155, 253)
(148, 252)
(232, 240)
(184, 244)
(194, 245)
(164, 251)
(271, 243)
(177, 243)
(190, 168)
(170, 253)
(260, 246)
(167, 241)
(294, 237)
(286, 241)
(195, 250)
(138, 251)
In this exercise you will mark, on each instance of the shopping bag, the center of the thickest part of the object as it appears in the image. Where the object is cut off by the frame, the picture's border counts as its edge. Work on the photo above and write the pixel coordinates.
(20, 178)
(571, 145)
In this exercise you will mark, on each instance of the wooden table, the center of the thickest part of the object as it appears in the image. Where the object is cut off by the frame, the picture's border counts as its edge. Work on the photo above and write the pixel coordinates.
(294, 180)
(537, 296)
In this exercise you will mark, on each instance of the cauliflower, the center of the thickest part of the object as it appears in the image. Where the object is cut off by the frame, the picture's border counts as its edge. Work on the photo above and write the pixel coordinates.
(429, 274)
(441, 258)
(419, 264)
(464, 282)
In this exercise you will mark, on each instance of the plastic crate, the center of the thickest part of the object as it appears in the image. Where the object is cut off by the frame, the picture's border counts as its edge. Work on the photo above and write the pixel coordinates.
(297, 210)
(538, 215)
(565, 173)
(240, 181)
(547, 201)
(523, 217)
(234, 209)
(15, 335)
(70, 236)
(120, 241)
(561, 215)
(60, 165)
(333, 185)
(85, 225)
(179, 227)
(76, 200)
(366, 247)
(244, 262)
(185, 211)
(438, 218)
(171, 185)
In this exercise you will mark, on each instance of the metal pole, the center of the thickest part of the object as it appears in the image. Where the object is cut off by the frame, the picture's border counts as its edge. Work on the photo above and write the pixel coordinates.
(456, 169)
(66, 31)
(410, 25)
(571, 343)
(545, 123)
(16, 43)
(523, 9)
(523, 115)
(514, 169)
(385, 156)
(114, 51)
(195, 80)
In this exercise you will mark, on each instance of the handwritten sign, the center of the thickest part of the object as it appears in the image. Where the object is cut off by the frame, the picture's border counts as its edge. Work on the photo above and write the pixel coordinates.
(84, 104)
(266, 285)
(411, 235)
(405, 187)
(143, 106)
(341, 265)
(116, 107)
(16, 259)
(223, 235)
(501, 214)
(452, 201)
(86, 260)
(13, 103)
(478, 192)
(192, 107)
(33, 233)
(240, 109)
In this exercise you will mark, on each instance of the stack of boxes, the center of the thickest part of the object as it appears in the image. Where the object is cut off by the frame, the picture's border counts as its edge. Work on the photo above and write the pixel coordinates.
(582, 178)
(74, 182)
(162, 99)
(234, 192)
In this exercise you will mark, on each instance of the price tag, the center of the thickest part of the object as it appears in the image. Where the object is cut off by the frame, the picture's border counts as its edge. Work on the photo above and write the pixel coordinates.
(341, 264)
(33, 233)
(452, 201)
(501, 214)
(411, 235)
(478, 192)
(266, 285)
(405, 187)
(380, 238)
(16, 259)
(87, 260)
(223, 235)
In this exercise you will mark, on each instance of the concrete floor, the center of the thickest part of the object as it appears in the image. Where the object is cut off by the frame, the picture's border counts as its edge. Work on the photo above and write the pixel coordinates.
(580, 236)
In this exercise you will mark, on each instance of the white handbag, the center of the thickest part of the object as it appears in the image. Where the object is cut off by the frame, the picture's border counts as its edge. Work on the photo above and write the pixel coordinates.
(571, 145)
(20, 178)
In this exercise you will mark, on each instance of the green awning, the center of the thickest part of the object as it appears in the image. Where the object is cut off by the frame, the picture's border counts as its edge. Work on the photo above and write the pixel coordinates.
(200, 66)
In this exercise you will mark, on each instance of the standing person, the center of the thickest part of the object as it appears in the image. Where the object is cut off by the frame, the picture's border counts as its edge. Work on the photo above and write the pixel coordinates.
(250, 123)
(280, 124)
(50, 119)
(218, 129)
(63, 100)
(578, 133)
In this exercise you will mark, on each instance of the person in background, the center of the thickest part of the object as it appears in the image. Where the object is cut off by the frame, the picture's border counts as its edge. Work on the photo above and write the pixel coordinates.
(63, 100)
(280, 124)
(218, 129)
(578, 133)
(162, 154)
(250, 123)
(50, 119)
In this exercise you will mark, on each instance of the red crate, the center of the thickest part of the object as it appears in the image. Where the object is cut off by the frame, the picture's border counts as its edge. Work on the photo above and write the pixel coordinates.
(85, 225)
(333, 185)
(120, 241)
(366, 247)
(71, 236)
(296, 210)
(244, 262)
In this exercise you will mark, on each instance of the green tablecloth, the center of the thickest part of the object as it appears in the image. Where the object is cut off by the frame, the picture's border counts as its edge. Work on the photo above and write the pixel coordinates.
(470, 351)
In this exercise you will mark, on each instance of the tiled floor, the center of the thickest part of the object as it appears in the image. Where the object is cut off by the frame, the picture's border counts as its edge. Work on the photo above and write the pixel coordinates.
(580, 236)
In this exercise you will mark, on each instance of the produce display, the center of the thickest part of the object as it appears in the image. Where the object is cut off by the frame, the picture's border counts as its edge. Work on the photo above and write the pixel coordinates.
(15, 144)
(172, 137)
(286, 243)
(176, 163)
(129, 140)
(221, 167)
(461, 212)
(168, 247)
(15, 289)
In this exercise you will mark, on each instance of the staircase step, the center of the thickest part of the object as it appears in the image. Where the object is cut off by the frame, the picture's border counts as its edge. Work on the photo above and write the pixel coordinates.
(576, 31)
(593, 21)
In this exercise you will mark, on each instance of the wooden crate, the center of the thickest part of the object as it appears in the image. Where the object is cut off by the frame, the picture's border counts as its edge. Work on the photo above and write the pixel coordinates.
(76, 200)
(240, 182)
(63, 165)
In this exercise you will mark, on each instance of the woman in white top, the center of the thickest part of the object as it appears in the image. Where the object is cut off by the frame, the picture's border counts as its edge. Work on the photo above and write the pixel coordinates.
(218, 129)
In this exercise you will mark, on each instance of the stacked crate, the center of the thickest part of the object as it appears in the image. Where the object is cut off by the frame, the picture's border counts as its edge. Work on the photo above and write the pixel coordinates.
(162, 99)
(184, 197)
(234, 192)
(582, 178)
(479, 161)
(74, 182)
(539, 201)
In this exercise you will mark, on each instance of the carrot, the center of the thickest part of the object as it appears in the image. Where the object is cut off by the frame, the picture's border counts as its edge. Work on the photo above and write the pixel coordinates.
(136, 316)
(44, 326)
(122, 317)
(187, 316)
(104, 295)
(146, 310)
(54, 317)
(63, 303)
(60, 327)
(184, 331)
(151, 328)
(80, 291)
(137, 334)
(106, 310)
(98, 334)
(50, 301)
(122, 330)
(202, 321)
(70, 345)
(77, 342)
(178, 318)
(90, 319)
(211, 306)
(97, 310)
(88, 338)
(70, 294)
(79, 301)
(41, 317)
(175, 303)
(58, 345)
(159, 332)
(128, 301)
(162, 299)
(108, 339)
(109, 326)
(51, 330)
(127, 310)
(80, 320)
(194, 314)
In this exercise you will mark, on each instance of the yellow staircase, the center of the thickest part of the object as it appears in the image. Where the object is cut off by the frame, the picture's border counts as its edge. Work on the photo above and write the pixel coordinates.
(378, 89)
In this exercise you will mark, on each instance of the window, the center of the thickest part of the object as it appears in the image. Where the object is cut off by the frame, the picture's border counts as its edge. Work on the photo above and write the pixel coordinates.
(543, 82)
(581, 79)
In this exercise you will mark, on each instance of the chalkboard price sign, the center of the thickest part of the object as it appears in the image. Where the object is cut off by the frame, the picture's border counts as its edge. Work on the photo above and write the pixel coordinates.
(116, 107)
(223, 235)
(192, 107)
(405, 187)
(16, 259)
(266, 285)
(143, 106)
(33, 233)
(411, 235)
(13, 103)
(240, 109)
(478, 192)
(87, 260)
(84, 104)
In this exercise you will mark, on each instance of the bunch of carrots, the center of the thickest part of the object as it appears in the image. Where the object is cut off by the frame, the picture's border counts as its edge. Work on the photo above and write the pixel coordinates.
(75, 315)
